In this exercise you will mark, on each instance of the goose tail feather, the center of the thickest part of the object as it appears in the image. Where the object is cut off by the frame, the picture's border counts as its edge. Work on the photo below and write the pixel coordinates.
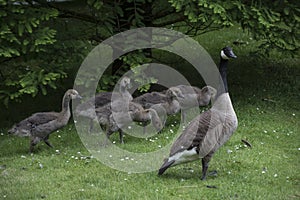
(165, 166)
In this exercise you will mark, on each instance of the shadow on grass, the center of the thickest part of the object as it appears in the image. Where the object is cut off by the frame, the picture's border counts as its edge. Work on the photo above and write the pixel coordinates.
(188, 174)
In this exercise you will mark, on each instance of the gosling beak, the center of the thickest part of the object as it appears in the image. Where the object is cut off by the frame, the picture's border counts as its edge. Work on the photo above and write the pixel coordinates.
(179, 95)
(130, 85)
(10, 131)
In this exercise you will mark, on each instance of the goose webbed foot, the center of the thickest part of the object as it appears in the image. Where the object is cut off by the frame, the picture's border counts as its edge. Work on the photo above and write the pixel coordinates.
(203, 177)
(47, 141)
(213, 173)
(106, 140)
(144, 128)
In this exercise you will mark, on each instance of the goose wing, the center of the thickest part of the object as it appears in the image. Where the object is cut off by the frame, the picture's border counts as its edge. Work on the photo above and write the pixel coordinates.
(103, 114)
(42, 118)
(189, 97)
(124, 106)
(149, 99)
(102, 99)
(204, 133)
(26, 126)
(187, 89)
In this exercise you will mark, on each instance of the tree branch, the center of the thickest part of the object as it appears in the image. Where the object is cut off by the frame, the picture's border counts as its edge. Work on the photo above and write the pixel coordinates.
(163, 13)
(173, 21)
(63, 13)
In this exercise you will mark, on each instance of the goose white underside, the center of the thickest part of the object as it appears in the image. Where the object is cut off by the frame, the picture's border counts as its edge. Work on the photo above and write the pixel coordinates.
(184, 156)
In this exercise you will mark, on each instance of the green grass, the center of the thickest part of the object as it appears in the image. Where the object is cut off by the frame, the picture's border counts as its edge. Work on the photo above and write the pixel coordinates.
(265, 94)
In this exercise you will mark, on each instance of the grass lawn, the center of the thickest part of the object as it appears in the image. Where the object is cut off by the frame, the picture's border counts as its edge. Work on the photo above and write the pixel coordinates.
(265, 95)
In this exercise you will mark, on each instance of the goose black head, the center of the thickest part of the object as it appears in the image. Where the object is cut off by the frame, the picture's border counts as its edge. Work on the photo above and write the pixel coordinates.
(227, 53)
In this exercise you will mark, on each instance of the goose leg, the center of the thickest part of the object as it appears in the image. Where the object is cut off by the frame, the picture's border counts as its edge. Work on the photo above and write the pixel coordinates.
(31, 147)
(164, 120)
(103, 127)
(91, 126)
(47, 142)
(121, 136)
(205, 163)
(108, 133)
(33, 142)
(144, 124)
(183, 115)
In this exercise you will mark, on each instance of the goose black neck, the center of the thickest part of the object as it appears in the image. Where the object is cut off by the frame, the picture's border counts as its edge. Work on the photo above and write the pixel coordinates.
(223, 77)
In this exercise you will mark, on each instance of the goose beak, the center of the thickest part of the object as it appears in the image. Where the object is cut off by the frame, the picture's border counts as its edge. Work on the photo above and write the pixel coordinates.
(232, 55)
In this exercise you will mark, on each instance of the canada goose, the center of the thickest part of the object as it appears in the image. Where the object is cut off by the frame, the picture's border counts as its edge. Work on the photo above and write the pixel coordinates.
(40, 125)
(194, 96)
(87, 109)
(135, 112)
(209, 130)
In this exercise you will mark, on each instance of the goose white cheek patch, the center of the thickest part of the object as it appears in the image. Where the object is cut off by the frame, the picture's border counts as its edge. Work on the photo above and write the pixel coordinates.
(223, 55)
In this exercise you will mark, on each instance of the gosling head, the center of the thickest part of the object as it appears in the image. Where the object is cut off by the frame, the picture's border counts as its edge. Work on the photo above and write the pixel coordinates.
(13, 130)
(73, 94)
(156, 121)
(125, 82)
(175, 92)
(227, 53)
(208, 93)
(19, 130)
